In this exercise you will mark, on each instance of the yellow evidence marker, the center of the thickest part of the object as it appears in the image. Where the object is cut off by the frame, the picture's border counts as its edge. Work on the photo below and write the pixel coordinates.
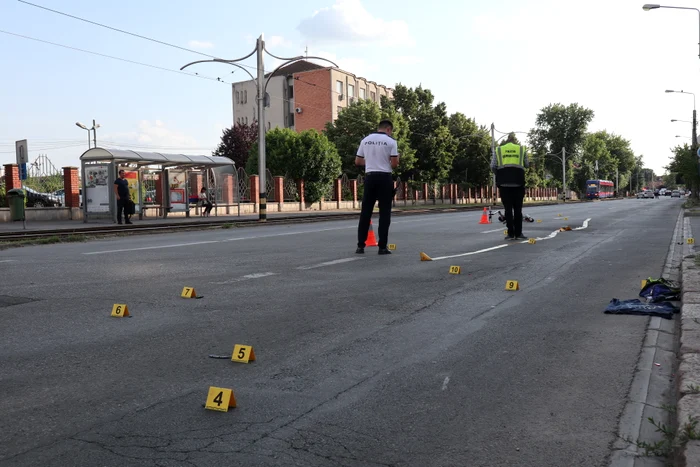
(455, 270)
(566, 218)
(512, 285)
(531, 241)
(391, 246)
(188, 292)
(558, 215)
(120, 310)
(539, 221)
(243, 353)
(690, 241)
(220, 399)
(505, 232)
(644, 284)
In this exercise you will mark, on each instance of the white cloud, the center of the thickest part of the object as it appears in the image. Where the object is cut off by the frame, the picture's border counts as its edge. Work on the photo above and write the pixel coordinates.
(277, 41)
(356, 66)
(155, 136)
(201, 44)
(406, 60)
(349, 21)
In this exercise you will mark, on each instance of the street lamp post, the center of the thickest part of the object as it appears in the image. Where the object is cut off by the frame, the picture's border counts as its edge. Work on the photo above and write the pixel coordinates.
(654, 6)
(94, 128)
(695, 120)
(262, 99)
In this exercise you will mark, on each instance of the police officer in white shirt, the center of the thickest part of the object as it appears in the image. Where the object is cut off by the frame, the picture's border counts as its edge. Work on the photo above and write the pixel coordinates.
(379, 154)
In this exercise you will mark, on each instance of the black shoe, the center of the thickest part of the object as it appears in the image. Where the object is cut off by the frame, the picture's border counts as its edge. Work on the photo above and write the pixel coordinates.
(383, 251)
(128, 222)
(360, 251)
(508, 237)
(119, 222)
(521, 237)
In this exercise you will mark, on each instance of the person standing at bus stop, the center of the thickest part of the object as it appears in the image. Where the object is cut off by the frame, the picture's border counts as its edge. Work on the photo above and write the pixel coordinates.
(121, 190)
(379, 154)
(509, 163)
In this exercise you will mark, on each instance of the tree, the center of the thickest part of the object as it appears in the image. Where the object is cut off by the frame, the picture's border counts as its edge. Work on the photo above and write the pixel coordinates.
(684, 163)
(308, 155)
(360, 119)
(429, 136)
(236, 143)
(472, 151)
(557, 127)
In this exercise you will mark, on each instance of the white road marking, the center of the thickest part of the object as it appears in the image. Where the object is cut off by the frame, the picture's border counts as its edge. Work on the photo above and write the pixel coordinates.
(495, 230)
(8, 261)
(470, 253)
(552, 235)
(123, 250)
(247, 277)
(328, 263)
(445, 383)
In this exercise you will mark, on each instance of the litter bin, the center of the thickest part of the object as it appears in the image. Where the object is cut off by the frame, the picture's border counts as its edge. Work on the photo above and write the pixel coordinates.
(15, 198)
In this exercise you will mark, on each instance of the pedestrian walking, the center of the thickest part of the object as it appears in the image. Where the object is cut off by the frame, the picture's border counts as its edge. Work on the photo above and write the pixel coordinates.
(379, 154)
(121, 190)
(509, 163)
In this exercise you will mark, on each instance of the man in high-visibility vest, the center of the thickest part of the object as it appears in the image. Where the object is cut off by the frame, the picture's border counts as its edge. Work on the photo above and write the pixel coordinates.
(509, 164)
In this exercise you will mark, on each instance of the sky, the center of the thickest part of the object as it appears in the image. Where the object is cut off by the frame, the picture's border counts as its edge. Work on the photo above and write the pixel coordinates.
(498, 61)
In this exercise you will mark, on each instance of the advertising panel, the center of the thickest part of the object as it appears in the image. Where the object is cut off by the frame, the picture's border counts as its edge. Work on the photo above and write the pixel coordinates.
(177, 183)
(96, 190)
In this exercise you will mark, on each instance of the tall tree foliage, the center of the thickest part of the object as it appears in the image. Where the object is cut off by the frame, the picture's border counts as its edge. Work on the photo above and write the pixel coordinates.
(430, 135)
(360, 119)
(236, 143)
(472, 151)
(684, 163)
(558, 126)
(308, 155)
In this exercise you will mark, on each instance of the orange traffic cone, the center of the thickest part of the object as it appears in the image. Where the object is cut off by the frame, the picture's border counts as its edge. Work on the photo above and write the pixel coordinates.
(485, 217)
(371, 240)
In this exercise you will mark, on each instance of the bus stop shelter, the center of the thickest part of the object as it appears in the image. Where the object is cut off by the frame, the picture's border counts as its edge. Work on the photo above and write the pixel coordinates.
(99, 168)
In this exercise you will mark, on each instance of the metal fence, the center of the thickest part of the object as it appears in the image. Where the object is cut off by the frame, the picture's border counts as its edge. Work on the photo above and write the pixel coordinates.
(44, 184)
(291, 190)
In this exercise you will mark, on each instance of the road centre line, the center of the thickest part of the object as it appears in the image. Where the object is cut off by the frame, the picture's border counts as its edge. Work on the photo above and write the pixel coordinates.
(257, 275)
(8, 261)
(552, 235)
(495, 230)
(149, 248)
(328, 263)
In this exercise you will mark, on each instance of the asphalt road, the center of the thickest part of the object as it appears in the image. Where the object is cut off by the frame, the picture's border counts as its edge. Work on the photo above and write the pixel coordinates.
(361, 360)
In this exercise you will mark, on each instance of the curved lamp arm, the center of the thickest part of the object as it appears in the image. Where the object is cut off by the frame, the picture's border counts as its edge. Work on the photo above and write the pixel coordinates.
(220, 60)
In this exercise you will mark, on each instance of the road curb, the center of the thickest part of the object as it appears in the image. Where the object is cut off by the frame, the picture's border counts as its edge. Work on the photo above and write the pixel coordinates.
(689, 370)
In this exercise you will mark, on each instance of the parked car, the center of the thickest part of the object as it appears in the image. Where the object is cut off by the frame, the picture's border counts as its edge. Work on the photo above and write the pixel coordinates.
(41, 200)
(675, 194)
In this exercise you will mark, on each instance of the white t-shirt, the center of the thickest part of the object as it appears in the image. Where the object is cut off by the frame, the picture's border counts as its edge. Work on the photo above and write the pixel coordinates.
(377, 149)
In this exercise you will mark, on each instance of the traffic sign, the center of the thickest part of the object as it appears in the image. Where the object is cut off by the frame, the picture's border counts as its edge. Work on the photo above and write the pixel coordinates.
(22, 152)
(22, 171)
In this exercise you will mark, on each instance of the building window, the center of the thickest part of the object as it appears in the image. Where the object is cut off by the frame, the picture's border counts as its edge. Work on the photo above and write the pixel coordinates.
(269, 125)
(245, 97)
(339, 109)
(363, 93)
(291, 120)
(291, 92)
(373, 96)
(351, 90)
(339, 87)
(246, 120)
(238, 100)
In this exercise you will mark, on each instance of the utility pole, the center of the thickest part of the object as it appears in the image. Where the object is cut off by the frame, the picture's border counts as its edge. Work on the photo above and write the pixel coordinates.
(493, 154)
(563, 170)
(261, 85)
(262, 167)
(617, 181)
(94, 133)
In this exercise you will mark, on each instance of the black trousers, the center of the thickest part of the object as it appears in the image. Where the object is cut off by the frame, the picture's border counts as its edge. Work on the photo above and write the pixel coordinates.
(121, 208)
(378, 187)
(512, 198)
(208, 206)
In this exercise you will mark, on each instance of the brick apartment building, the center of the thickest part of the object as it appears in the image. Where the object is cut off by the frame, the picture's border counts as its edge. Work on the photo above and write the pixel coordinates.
(304, 95)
